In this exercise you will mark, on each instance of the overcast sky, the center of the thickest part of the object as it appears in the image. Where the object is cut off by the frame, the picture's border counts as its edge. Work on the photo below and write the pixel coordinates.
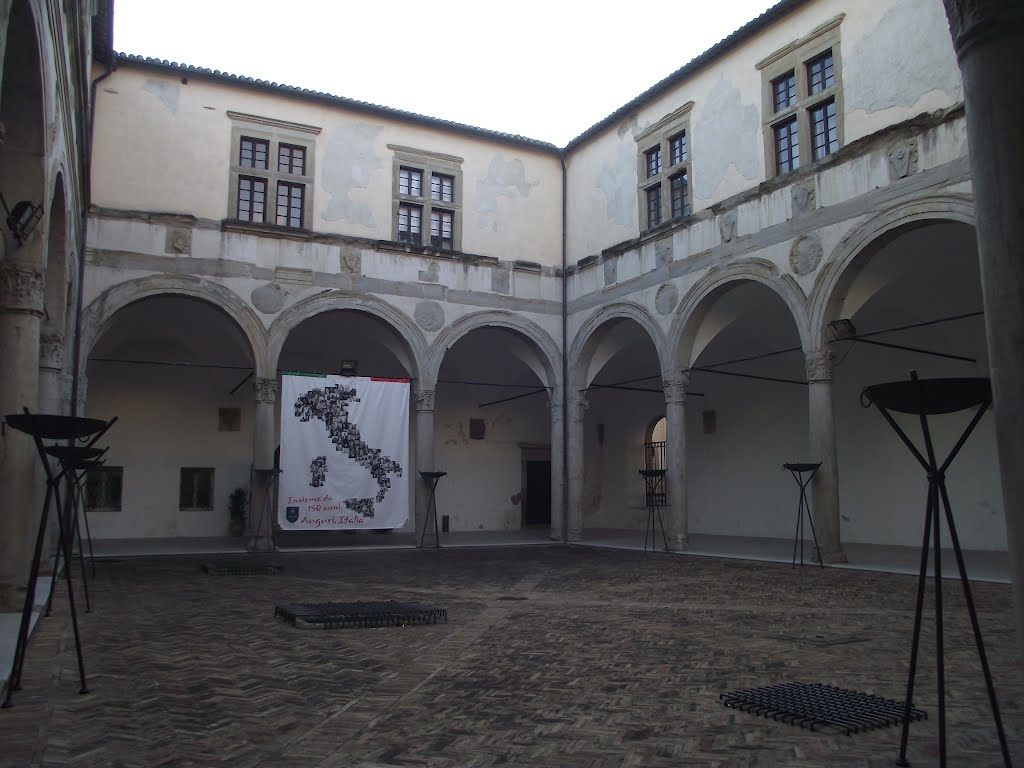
(547, 69)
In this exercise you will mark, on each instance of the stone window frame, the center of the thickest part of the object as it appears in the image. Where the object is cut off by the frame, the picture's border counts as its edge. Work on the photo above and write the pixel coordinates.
(428, 163)
(794, 58)
(275, 132)
(100, 476)
(659, 137)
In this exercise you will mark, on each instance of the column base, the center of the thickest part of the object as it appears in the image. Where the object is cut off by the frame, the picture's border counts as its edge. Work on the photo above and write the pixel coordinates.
(837, 557)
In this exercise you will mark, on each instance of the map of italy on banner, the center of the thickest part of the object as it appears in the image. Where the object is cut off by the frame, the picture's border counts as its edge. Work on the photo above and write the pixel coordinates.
(344, 453)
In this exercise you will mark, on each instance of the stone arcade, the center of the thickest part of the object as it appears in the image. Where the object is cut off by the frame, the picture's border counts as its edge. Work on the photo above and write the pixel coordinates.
(550, 305)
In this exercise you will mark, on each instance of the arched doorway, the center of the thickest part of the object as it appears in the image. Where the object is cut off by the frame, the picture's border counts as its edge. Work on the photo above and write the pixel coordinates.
(493, 431)
(176, 371)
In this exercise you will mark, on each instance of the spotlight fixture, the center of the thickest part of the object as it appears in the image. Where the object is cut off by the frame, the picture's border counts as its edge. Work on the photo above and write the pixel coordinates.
(349, 368)
(23, 219)
(843, 329)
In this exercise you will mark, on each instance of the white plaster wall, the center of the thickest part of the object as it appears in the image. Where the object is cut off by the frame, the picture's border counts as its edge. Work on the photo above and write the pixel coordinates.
(167, 419)
(897, 63)
(484, 482)
(162, 145)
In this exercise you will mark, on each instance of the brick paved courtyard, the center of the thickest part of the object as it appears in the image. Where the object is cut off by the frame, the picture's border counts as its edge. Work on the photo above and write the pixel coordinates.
(608, 658)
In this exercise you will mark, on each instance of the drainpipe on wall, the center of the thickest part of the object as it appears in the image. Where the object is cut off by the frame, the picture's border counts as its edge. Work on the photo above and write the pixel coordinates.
(86, 202)
(565, 361)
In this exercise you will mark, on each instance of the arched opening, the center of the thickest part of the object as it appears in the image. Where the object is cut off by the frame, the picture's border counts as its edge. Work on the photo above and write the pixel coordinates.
(493, 433)
(619, 372)
(912, 299)
(349, 342)
(177, 373)
(656, 444)
(55, 307)
(21, 113)
(746, 412)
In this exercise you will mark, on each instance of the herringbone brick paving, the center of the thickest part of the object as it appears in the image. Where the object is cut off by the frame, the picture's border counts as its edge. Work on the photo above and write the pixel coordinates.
(614, 659)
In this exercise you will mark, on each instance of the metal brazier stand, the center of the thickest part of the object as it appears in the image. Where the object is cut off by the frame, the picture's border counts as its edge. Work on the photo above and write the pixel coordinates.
(924, 398)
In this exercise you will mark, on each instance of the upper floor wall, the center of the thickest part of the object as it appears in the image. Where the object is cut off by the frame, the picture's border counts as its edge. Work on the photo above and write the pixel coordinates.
(822, 77)
(173, 140)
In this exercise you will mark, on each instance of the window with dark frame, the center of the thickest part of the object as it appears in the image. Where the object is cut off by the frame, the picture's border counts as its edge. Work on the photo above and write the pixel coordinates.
(254, 153)
(821, 73)
(290, 200)
(410, 224)
(291, 159)
(680, 189)
(677, 148)
(802, 103)
(195, 490)
(442, 187)
(824, 131)
(654, 205)
(441, 225)
(271, 178)
(410, 182)
(784, 91)
(653, 162)
(787, 146)
(252, 199)
(103, 487)
(663, 169)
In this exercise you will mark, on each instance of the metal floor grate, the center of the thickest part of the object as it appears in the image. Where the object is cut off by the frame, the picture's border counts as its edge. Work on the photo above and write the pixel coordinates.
(813, 706)
(242, 569)
(369, 614)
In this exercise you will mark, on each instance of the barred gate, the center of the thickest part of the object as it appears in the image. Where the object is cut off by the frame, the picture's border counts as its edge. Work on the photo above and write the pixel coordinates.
(654, 458)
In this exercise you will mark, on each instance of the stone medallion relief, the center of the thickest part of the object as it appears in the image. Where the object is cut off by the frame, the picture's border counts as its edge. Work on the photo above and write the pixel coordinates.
(805, 255)
(429, 315)
(269, 298)
(666, 299)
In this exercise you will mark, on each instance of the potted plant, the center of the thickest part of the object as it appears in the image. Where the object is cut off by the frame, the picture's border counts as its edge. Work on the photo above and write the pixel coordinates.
(237, 503)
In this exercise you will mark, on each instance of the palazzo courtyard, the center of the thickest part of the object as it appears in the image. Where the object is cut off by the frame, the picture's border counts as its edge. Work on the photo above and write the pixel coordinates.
(551, 656)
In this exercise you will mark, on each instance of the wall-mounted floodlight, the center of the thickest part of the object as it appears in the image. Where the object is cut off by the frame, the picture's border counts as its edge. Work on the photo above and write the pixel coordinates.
(843, 329)
(22, 219)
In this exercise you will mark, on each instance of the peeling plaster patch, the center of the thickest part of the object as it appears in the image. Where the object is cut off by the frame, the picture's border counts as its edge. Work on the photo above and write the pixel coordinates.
(269, 298)
(617, 183)
(505, 178)
(179, 240)
(869, 82)
(663, 251)
(429, 315)
(727, 131)
(431, 274)
(166, 93)
(348, 163)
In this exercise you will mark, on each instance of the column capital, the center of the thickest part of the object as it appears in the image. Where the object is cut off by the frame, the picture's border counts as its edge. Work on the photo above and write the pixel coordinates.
(675, 388)
(21, 288)
(425, 399)
(51, 351)
(975, 21)
(819, 363)
(578, 408)
(266, 390)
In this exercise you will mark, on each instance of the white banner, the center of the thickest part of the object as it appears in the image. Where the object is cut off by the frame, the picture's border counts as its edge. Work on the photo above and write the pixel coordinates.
(344, 453)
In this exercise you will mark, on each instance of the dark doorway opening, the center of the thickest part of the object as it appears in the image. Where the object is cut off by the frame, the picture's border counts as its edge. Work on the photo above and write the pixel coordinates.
(537, 496)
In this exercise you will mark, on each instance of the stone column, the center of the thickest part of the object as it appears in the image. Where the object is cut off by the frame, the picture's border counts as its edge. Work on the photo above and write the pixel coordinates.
(989, 39)
(264, 442)
(825, 485)
(424, 454)
(557, 465)
(54, 385)
(577, 416)
(675, 460)
(21, 310)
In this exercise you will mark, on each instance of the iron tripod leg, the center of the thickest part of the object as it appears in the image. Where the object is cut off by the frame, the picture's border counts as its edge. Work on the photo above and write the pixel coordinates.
(431, 513)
